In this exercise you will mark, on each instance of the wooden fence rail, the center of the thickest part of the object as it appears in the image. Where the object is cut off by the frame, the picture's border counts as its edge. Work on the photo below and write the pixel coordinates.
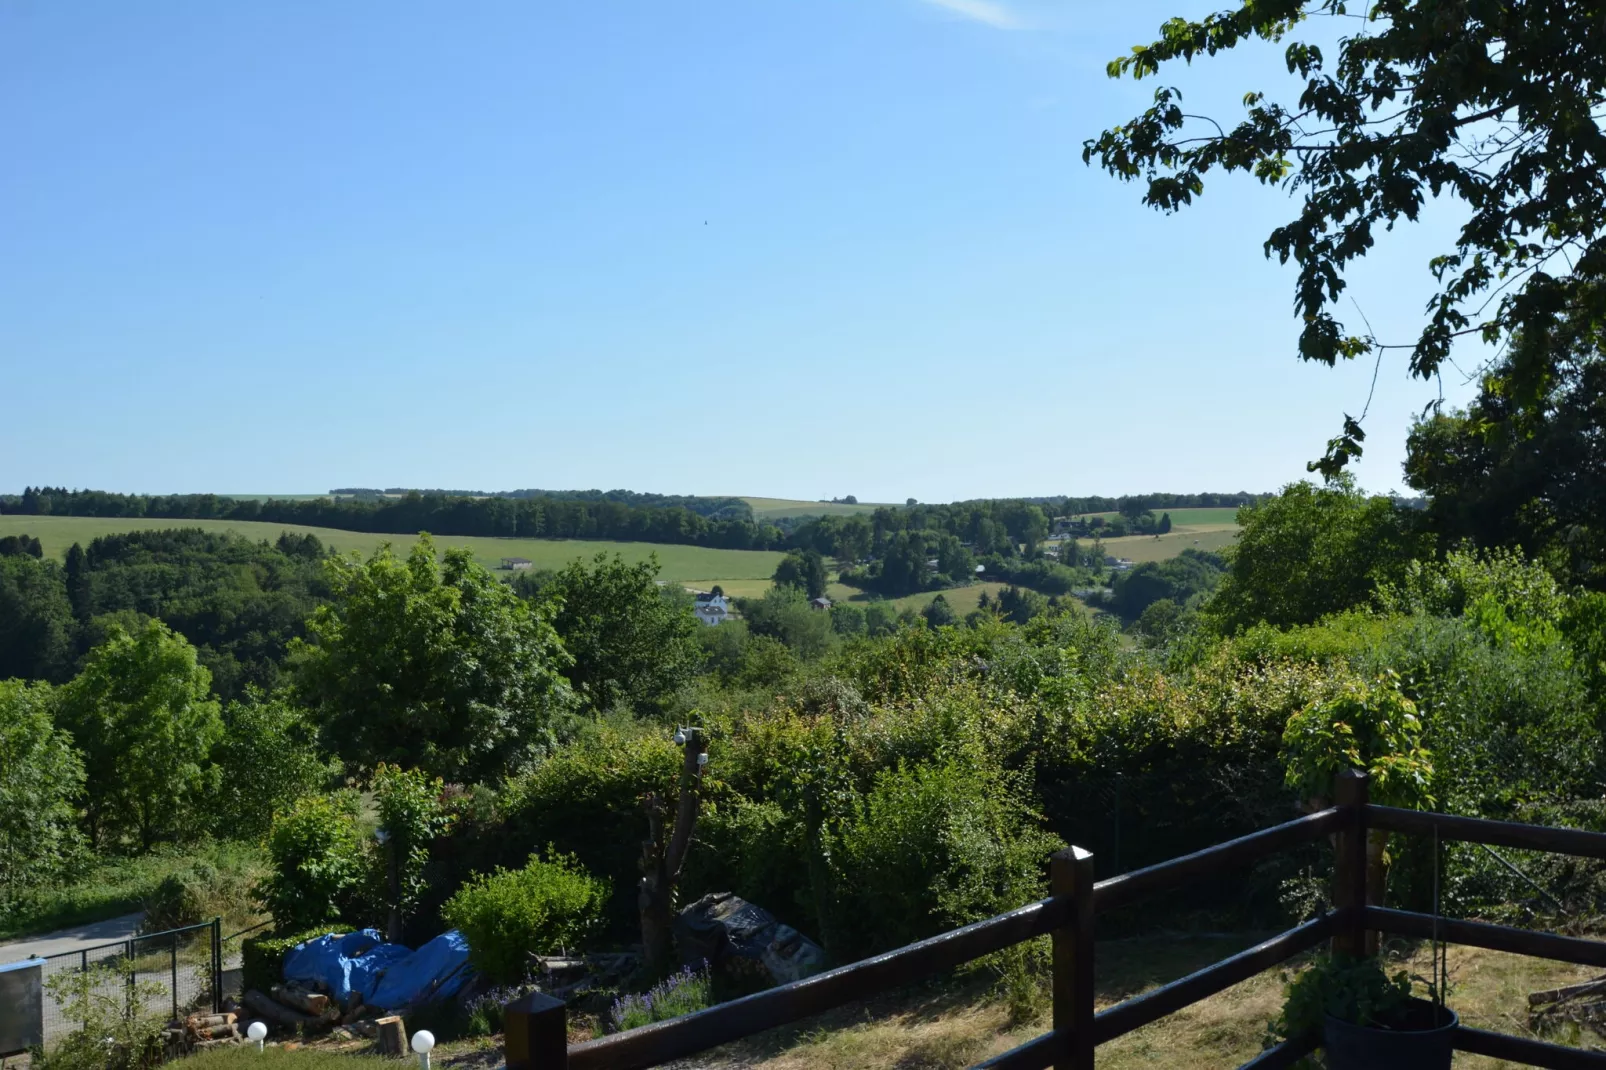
(535, 1036)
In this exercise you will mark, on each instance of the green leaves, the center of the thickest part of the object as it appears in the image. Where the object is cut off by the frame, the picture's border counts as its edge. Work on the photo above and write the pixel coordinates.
(1371, 727)
(319, 863)
(547, 906)
(439, 667)
(143, 714)
(40, 777)
(1496, 105)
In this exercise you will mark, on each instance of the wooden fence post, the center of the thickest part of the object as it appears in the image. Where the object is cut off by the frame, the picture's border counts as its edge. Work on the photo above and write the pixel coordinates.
(1071, 874)
(535, 1033)
(1349, 863)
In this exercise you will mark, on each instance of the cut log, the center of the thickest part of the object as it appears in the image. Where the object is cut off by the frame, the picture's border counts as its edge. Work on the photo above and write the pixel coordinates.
(1556, 995)
(298, 998)
(213, 1032)
(276, 1013)
(391, 1036)
(208, 1021)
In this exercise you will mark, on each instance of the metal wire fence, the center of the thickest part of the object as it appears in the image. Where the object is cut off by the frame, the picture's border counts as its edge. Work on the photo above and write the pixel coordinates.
(176, 972)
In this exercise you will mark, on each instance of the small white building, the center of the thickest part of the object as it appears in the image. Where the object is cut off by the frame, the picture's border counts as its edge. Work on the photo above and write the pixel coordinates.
(711, 609)
(518, 564)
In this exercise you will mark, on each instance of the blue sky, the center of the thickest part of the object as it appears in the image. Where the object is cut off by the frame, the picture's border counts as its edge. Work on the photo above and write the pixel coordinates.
(799, 248)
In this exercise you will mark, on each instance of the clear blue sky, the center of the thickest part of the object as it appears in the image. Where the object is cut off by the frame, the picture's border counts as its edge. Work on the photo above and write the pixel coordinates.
(801, 249)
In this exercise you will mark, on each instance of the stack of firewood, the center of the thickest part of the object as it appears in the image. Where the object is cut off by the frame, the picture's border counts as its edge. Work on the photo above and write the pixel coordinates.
(290, 1006)
(1584, 1004)
(201, 1031)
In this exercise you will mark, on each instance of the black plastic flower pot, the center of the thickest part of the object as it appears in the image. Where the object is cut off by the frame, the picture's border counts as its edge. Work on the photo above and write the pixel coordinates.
(1418, 1040)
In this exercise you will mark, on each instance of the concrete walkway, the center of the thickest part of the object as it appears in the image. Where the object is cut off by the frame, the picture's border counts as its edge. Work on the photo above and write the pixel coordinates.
(77, 938)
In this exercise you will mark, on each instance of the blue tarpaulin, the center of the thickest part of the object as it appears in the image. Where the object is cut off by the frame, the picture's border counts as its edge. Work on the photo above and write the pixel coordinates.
(384, 975)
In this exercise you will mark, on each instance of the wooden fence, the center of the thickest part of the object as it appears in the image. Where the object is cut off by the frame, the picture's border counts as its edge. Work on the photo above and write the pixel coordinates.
(536, 1030)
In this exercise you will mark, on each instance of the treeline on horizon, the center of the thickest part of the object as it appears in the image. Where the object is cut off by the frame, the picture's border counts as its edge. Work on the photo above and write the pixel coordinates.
(547, 517)
(726, 508)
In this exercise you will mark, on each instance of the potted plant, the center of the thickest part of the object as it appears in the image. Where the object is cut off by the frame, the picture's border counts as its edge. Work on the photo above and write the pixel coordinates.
(1367, 1018)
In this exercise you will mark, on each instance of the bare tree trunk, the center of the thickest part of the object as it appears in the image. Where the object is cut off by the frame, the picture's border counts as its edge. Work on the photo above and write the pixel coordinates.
(661, 864)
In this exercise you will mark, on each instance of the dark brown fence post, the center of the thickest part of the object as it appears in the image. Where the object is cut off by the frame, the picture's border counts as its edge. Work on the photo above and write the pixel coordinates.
(535, 1033)
(1071, 874)
(1349, 862)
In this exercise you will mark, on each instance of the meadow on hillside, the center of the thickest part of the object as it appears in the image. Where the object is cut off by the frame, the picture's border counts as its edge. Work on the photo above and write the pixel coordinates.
(678, 563)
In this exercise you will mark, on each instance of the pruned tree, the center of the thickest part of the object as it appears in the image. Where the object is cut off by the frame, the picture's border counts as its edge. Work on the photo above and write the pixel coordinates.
(663, 853)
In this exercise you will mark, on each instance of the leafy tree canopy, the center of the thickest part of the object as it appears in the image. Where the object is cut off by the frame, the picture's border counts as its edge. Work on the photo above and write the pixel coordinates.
(438, 667)
(40, 777)
(143, 714)
(1313, 551)
(1497, 105)
(632, 641)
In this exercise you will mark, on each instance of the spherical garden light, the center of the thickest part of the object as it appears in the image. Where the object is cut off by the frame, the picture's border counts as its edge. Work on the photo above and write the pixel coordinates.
(423, 1044)
(258, 1031)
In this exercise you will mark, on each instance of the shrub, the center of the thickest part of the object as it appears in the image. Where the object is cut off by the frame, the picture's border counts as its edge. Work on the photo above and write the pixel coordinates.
(549, 904)
(678, 994)
(931, 847)
(118, 1031)
(585, 801)
(262, 957)
(319, 862)
(220, 886)
(268, 759)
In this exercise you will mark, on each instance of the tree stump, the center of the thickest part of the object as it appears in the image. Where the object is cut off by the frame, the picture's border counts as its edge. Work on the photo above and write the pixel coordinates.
(390, 1036)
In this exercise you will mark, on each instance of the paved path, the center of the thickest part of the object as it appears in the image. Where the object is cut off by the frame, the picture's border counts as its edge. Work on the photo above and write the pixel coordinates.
(76, 938)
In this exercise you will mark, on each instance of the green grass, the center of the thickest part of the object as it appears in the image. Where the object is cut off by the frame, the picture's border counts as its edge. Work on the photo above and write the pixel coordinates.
(246, 1057)
(785, 508)
(679, 563)
(1194, 517)
(1141, 548)
(117, 886)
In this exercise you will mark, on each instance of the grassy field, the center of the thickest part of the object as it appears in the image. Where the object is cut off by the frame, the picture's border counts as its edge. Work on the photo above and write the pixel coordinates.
(679, 563)
(1141, 548)
(784, 508)
(1193, 517)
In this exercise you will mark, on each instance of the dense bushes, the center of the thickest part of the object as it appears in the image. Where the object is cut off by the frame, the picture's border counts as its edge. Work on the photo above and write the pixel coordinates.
(320, 862)
(217, 884)
(931, 847)
(547, 906)
(262, 957)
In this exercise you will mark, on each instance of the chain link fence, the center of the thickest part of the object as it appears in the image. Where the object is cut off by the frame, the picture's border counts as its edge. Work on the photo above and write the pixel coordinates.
(163, 974)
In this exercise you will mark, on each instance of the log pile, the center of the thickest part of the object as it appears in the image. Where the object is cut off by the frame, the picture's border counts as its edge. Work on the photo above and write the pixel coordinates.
(570, 979)
(201, 1031)
(1583, 1004)
(291, 1007)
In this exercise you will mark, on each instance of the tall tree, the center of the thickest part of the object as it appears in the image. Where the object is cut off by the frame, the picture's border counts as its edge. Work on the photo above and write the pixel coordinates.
(805, 570)
(266, 759)
(1524, 464)
(633, 642)
(438, 667)
(41, 775)
(1495, 105)
(143, 714)
(1310, 552)
(36, 621)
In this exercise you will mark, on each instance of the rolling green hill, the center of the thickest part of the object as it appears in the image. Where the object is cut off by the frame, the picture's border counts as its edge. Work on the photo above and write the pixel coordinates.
(679, 563)
(788, 508)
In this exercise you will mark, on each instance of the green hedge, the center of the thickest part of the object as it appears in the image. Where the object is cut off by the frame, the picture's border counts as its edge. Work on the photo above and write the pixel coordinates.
(263, 956)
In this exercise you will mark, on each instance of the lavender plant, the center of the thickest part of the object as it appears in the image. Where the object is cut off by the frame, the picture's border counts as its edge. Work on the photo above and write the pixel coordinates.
(680, 993)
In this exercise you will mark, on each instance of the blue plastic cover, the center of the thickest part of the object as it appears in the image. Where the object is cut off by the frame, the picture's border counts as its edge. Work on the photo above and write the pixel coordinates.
(387, 976)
